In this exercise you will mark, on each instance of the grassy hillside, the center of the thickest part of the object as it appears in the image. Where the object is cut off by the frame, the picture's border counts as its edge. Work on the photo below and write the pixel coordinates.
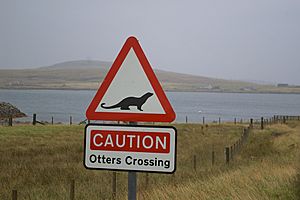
(85, 74)
(40, 161)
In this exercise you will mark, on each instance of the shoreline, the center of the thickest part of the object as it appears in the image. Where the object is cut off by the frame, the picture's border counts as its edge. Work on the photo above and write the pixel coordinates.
(166, 90)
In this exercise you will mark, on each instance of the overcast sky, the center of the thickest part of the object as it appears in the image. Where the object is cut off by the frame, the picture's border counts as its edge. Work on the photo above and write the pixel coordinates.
(244, 40)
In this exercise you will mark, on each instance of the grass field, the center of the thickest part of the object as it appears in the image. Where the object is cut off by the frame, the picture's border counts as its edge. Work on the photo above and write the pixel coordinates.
(40, 162)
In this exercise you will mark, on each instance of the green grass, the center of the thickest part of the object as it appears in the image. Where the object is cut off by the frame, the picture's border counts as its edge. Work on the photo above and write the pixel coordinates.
(40, 162)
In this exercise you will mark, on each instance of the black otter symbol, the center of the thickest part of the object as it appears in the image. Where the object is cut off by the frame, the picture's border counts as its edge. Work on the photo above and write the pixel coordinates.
(130, 101)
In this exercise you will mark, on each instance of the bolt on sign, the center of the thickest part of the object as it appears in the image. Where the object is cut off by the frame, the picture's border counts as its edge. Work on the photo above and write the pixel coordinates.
(131, 148)
(130, 92)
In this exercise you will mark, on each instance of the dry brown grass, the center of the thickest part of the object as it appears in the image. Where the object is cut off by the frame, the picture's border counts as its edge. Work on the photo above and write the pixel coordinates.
(40, 162)
(267, 168)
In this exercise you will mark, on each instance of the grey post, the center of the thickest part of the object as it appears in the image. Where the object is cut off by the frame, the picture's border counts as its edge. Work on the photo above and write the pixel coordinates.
(235, 120)
(219, 120)
(251, 123)
(132, 180)
(70, 120)
(52, 120)
(203, 120)
(262, 123)
(131, 185)
(186, 119)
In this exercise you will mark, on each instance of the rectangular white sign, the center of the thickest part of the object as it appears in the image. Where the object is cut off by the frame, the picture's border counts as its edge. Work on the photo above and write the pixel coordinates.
(130, 147)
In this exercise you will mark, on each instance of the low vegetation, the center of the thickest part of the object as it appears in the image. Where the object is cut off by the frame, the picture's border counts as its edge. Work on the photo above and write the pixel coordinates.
(41, 161)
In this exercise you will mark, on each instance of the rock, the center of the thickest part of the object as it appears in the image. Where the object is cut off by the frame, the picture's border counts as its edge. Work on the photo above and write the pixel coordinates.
(7, 110)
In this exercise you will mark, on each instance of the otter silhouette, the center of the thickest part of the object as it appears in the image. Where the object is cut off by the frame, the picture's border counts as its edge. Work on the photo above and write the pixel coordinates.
(130, 101)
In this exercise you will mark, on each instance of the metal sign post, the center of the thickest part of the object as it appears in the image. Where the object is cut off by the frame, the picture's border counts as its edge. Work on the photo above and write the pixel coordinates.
(132, 185)
(132, 179)
(130, 92)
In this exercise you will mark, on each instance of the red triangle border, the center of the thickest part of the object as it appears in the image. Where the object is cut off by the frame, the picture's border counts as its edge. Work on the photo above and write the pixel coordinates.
(169, 115)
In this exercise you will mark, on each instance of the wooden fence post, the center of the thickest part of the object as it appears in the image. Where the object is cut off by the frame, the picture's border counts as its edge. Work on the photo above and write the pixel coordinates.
(114, 185)
(14, 195)
(242, 138)
(234, 148)
(34, 119)
(227, 155)
(245, 135)
(52, 120)
(203, 120)
(219, 120)
(284, 119)
(186, 119)
(234, 120)
(10, 121)
(72, 190)
(251, 123)
(262, 123)
(70, 120)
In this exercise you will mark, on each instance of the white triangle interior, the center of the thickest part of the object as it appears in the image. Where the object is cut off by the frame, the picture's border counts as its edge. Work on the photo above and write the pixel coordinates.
(130, 81)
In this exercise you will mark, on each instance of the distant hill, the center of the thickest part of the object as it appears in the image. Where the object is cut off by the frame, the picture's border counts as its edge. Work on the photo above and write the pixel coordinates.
(80, 64)
(88, 74)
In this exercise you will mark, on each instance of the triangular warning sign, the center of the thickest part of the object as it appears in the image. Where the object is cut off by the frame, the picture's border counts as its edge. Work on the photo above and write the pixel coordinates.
(130, 91)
